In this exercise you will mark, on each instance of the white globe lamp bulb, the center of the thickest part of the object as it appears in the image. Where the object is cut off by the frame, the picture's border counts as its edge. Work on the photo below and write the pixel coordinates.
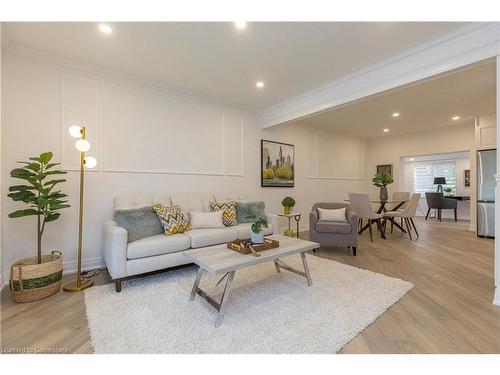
(90, 162)
(75, 131)
(82, 145)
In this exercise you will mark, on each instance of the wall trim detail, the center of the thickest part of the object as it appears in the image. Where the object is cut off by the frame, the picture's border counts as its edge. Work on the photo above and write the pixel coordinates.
(109, 74)
(161, 171)
(496, 298)
(467, 45)
(70, 267)
(337, 178)
(106, 129)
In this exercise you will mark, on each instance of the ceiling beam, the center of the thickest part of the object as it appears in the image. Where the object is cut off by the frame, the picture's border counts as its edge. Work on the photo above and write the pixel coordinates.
(467, 45)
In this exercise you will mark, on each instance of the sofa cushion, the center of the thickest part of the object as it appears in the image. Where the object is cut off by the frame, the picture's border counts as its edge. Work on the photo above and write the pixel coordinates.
(172, 219)
(157, 245)
(248, 212)
(206, 220)
(139, 222)
(207, 237)
(192, 202)
(228, 212)
(333, 227)
(244, 230)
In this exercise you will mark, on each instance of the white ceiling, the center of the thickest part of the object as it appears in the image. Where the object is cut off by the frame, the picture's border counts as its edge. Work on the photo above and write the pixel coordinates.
(216, 60)
(425, 105)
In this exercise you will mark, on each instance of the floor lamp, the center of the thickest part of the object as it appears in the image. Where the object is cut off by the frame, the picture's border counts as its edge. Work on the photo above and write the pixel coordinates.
(82, 145)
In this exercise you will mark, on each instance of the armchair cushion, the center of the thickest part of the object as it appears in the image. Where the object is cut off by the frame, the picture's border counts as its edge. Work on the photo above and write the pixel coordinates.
(333, 227)
(334, 214)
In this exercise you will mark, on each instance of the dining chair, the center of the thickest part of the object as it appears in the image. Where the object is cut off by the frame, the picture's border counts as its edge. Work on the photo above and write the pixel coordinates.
(407, 214)
(439, 202)
(398, 196)
(360, 204)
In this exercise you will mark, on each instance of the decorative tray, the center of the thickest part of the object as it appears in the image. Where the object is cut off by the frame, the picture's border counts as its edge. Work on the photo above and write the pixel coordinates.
(246, 246)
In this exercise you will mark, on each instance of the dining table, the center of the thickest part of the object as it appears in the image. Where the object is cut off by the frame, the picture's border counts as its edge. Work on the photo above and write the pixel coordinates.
(382, 208)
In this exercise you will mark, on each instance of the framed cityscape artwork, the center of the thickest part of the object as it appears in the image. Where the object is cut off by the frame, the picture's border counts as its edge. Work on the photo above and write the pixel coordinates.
(277, 164)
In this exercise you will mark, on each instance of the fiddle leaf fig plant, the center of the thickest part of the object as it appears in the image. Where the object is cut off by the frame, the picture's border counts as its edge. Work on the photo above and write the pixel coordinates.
(41, 197)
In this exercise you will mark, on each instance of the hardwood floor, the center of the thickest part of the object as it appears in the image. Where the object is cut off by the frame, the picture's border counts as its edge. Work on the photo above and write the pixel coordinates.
(450, 309)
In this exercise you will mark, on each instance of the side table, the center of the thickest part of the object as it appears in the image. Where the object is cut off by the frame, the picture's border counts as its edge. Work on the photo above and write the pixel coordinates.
(296, 217)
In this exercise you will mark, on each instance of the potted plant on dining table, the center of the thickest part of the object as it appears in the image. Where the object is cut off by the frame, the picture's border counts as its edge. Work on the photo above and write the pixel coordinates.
(381, 180)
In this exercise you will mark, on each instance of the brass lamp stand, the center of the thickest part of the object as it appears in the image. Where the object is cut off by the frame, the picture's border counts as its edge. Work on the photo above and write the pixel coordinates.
(81, 145)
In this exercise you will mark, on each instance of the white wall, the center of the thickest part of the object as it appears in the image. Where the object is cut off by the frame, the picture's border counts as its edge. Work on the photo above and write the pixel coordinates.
(390, 149)
(2, 277)
(148, 141)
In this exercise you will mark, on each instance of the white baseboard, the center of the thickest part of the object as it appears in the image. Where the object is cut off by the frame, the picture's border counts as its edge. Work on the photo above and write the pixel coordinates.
(68, 268)
(87, 264)
(496, 298)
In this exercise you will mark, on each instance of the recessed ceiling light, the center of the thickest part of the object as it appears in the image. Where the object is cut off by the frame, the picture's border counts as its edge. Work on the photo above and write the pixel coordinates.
(412, 159)
(240, 25)
(455, 118)
(395, 114)
(259, 84)
(386, 130)
(105, 29)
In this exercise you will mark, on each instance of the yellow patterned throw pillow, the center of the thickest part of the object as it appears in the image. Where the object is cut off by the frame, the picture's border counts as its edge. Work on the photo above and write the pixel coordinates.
(172, 219)
(228, 212)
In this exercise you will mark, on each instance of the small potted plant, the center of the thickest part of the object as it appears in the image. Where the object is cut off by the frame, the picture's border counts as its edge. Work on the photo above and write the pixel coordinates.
(448, 190)
(288, 204)
(257, 234)
(381, 180)
(37, 277)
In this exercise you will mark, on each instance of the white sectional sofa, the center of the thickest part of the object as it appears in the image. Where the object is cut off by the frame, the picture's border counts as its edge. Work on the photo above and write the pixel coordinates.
(125, 259)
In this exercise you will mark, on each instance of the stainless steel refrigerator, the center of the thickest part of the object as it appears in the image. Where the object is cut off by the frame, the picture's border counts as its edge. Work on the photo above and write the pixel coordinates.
(486, 169)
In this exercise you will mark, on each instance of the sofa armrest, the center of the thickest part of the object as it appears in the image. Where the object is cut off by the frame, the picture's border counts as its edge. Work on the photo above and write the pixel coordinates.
(313, 219)
(353, 218)
(273, 220)
(114, 249)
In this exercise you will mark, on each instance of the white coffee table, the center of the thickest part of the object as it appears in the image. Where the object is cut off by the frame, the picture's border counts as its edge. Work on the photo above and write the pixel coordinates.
(221, 260)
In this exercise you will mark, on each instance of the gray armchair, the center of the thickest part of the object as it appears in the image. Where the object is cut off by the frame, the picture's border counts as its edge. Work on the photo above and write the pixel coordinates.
(439, 202)
(333, 232)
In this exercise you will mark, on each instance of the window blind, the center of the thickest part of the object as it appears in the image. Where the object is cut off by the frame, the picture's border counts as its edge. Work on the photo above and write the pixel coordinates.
(423, 176)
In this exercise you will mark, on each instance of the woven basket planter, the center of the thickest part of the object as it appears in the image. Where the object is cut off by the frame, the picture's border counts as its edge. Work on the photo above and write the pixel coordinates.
(30, 281)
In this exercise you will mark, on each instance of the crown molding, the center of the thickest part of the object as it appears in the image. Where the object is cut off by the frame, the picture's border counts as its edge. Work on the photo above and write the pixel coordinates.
(467, 45)
(126, 79)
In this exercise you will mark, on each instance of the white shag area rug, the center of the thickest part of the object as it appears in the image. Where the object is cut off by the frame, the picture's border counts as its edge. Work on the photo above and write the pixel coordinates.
(267, 312)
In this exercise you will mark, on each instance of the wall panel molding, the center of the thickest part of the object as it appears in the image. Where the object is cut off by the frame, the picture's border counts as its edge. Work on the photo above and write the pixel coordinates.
(80, 104)
(314, 159)
(225, 130)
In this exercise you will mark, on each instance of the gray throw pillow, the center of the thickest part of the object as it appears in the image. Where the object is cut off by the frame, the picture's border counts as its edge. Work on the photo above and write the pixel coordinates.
(139, 222)
(244, 210)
